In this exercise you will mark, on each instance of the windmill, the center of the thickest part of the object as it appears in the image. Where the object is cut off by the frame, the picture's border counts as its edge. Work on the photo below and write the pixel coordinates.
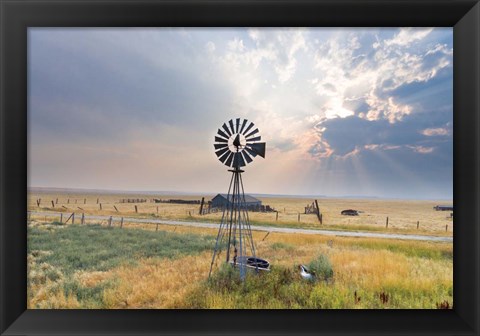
(236, 144)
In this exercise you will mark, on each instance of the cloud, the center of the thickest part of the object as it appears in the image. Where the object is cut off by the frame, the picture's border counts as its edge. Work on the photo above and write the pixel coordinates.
(349, 70)
(343, 136)
(389, 172)
(435, 131)
(278, 48)
(385, 112)
(406, 36)
(210, 46)
(421, 149)
(88, 83)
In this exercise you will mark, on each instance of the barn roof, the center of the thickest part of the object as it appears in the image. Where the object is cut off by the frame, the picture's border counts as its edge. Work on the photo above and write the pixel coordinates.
(248, 198)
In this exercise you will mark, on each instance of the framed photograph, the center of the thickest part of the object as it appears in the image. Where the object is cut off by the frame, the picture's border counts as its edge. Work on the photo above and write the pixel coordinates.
(201, 167)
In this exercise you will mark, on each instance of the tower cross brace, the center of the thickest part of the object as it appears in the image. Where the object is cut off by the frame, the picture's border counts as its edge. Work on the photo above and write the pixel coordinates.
(234, 232)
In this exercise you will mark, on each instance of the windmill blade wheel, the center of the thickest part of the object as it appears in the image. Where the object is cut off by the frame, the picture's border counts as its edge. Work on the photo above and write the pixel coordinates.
(237, 143)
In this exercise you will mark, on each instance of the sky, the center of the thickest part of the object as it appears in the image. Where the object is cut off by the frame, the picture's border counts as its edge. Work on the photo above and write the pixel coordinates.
(343, 111)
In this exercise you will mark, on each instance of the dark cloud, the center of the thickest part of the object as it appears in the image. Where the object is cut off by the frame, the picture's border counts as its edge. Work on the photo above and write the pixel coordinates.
(434, 97)
(405, 173)
(404, 163)
(344, 135)
(356, 105)
(94, 90)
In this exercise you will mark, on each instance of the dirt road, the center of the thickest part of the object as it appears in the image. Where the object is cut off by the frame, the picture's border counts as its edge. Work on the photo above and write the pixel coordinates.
(259, 228)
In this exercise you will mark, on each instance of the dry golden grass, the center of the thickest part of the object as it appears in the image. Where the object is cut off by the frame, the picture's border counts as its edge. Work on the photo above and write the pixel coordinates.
(415, 274)
(156, 283)
(167, 283)
(45, 286)
(50, 296)
(403, 214)
(363, 266)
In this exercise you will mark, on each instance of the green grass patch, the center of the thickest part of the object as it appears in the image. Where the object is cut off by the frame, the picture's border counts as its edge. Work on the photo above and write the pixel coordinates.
(89, 297)
(428, 250)
(321, 267)
(97, 248)
(57, 252)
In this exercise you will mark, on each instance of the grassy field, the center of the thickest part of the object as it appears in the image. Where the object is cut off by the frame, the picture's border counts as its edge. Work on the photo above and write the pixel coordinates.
(403, 215)
(94, 266)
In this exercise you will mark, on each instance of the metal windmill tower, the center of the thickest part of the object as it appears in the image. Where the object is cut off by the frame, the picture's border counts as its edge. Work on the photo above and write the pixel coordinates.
(236, 144)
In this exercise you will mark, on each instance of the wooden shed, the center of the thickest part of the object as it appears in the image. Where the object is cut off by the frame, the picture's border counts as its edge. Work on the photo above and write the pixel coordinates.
(220, 201)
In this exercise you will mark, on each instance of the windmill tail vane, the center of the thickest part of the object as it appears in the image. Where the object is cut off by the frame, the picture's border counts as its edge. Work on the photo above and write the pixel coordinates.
(237, 143)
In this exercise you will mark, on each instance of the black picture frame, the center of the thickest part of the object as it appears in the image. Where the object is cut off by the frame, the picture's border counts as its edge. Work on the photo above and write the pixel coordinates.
(17, 16)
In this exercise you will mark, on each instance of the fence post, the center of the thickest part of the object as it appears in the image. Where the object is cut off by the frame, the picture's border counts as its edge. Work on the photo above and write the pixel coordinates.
(115, 208)
(121, 223)
(97, 200)
(156, 228)
(318, 212)
(418, 224)
(446, 228)
(110, 221)
(68, 218)
(84, 201)
(53, 205)
(83, 218)
(299, 216)
(386, 223)
(56, 201)
(61, 217)
(276, 218)
(73, 217)
(68, 201)
(136, 209)
(266, 236)
(201, 206)
(100, 206)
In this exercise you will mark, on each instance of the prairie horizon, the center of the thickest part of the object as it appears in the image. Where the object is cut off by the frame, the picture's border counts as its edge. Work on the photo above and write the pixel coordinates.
(185, 193)
(378, 215)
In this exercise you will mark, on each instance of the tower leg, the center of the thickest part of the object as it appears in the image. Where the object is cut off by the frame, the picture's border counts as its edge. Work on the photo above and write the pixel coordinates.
(221, 232)
(235, 225)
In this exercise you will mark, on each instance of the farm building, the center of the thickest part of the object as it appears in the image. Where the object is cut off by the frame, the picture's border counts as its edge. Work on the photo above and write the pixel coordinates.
(220, 201)
(443, 207)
